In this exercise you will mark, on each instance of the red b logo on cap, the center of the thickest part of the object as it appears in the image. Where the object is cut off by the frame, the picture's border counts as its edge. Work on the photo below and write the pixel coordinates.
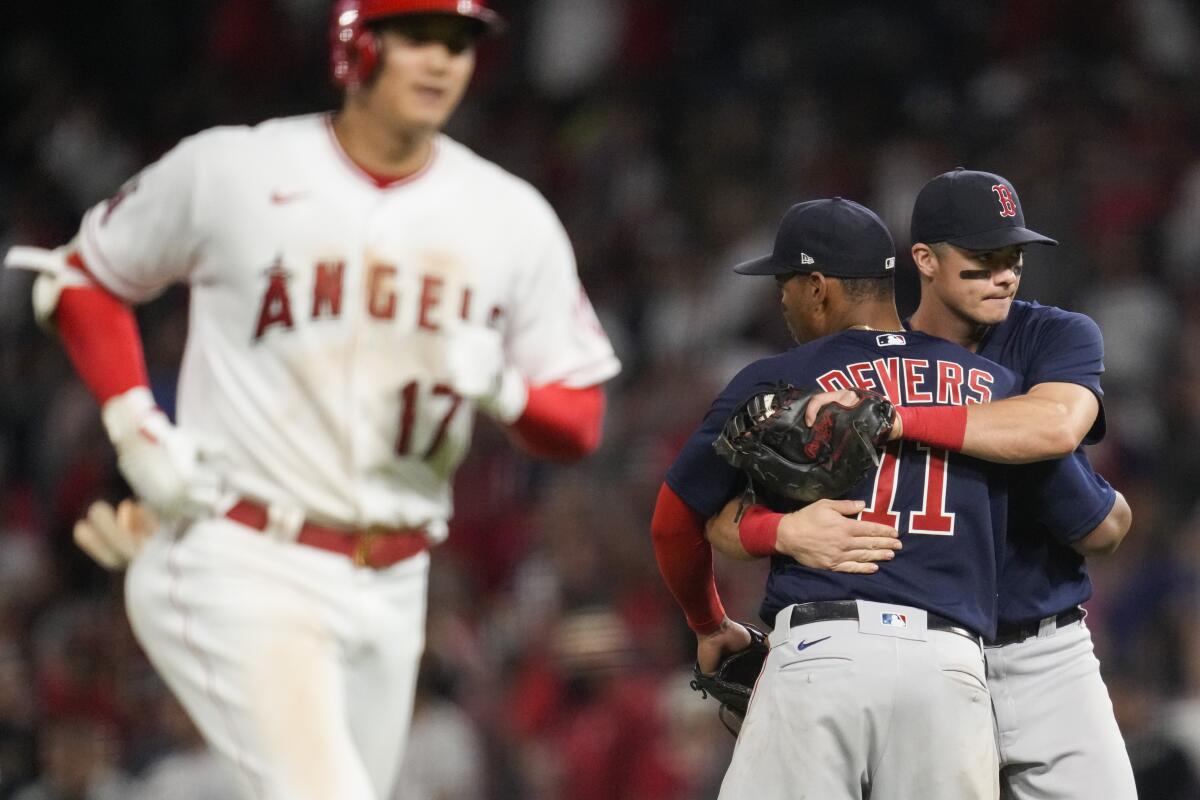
(1008, 207)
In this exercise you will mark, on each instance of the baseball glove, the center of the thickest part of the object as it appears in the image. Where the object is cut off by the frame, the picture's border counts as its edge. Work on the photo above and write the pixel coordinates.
(768, 439)
(731, 683)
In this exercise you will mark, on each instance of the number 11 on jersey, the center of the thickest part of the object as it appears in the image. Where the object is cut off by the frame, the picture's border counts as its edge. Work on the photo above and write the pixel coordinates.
(932, 517)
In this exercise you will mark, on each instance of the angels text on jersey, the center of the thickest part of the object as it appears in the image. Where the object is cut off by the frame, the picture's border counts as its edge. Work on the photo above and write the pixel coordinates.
(425, 299)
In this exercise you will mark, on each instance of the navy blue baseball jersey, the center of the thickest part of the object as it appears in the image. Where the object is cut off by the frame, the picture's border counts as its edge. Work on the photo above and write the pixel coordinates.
(1053, 503)
(949, 509)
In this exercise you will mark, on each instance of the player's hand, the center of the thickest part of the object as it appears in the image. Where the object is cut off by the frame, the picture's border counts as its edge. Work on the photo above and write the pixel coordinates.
(847, 398)
(712, 647)
(825, 535)
(113, 538)
(477, 369)
(164, 466)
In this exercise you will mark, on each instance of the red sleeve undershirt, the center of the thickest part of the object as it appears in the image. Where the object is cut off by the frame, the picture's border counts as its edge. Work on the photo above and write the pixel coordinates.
(560, 423)
(100, 335)
(685, 561)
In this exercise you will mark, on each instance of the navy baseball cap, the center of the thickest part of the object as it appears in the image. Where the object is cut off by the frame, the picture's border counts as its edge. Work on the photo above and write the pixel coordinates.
(973, 210)
(836, 237)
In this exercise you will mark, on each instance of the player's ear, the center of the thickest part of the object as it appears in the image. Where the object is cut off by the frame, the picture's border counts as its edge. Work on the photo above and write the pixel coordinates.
(816, 285)
(926, 260)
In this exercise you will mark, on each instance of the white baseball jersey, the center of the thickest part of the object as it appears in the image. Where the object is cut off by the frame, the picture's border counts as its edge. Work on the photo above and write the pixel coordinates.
(322, 305)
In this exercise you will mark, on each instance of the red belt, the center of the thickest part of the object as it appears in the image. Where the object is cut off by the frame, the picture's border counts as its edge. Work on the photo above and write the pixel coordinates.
(375, 547)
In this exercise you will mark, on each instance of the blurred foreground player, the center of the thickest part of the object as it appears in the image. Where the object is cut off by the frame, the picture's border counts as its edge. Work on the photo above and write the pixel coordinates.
(359, 285)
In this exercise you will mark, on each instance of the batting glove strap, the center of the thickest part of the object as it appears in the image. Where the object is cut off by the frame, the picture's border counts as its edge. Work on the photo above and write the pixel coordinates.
(54, 273)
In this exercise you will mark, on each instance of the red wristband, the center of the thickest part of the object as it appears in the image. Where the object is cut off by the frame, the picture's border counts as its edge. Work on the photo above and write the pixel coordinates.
(758, 530)
(944, 427)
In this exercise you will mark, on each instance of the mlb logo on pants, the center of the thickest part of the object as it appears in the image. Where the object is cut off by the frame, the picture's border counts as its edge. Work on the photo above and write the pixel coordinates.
(893, 620)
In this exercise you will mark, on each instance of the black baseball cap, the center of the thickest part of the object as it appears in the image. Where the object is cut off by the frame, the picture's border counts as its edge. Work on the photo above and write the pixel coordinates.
(973, 210)
(835, 237)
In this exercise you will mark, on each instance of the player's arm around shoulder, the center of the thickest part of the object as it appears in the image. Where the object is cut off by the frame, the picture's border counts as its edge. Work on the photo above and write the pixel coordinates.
(1106, 537)
(824, 534)
(1047, 422)
(1062, 405)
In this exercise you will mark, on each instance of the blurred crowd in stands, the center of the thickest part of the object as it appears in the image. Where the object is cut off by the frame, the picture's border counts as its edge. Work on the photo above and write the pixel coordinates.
(670, 136)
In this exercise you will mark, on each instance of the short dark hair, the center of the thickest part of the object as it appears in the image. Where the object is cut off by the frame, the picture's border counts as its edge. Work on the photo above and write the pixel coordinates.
(863, 289)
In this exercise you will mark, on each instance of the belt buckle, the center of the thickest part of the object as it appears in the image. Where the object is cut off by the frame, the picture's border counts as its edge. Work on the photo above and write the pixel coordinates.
(362, 545)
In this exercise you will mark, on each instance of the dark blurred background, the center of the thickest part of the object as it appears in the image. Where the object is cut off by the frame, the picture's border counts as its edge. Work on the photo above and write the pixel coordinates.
(670, 136)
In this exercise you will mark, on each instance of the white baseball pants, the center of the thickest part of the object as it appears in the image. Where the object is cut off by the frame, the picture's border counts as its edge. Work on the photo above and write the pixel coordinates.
(840, 713)
(1057, 735)
(296, 665)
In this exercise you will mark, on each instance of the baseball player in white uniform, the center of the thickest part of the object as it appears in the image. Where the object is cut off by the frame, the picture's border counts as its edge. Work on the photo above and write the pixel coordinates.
(360, 284)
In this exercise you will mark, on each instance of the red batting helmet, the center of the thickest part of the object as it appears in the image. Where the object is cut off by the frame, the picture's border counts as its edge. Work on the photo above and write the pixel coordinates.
(354, 53)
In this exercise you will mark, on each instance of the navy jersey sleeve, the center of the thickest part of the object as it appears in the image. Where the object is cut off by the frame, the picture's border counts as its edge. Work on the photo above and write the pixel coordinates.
(1049, 345)
(1067, 348)
(700, 477)
(1068, 498)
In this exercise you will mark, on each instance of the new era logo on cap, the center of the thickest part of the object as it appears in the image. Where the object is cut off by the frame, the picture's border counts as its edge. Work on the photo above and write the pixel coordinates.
(889, 263)
(805, 258)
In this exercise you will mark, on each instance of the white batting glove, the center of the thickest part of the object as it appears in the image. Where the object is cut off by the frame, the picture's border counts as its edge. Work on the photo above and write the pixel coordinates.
(164, 466)
(478, 370)
(113, 538)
